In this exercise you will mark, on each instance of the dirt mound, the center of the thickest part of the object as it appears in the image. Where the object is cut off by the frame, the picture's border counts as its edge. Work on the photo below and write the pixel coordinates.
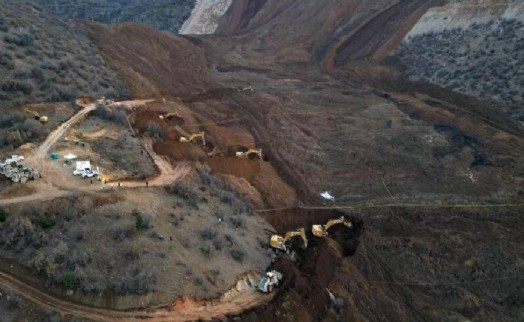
(173, 56)
(260, 174)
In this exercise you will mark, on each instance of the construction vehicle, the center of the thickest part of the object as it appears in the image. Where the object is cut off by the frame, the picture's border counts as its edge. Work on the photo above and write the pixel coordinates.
(36, 115)
(246, 89)
(322, 230)
(193, 137)
(169, 115)
(19, 172)
(249, 153)
(281, 243)
(269, 280)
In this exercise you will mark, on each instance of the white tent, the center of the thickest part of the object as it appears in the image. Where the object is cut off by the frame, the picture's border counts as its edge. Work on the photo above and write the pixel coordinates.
(70, 157)
(82, 165)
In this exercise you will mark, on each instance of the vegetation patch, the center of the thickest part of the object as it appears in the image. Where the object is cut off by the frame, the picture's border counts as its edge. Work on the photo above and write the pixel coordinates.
(484, 60)
(161, 14)
(43, 59)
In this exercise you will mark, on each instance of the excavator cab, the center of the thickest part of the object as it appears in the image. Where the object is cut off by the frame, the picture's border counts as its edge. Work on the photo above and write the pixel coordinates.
(281, 243)
(322, 230)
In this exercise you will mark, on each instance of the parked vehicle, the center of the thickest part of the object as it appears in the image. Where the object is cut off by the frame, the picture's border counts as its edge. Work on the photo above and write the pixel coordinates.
(79, 172)
(89, 174)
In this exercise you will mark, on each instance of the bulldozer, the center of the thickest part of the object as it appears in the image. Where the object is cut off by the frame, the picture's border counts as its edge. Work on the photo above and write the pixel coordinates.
(322, 230)
(250, 152)
(20, 173)
(169, 115)
(281, 243)
(269, 280)
(193, 137)
(36, 115)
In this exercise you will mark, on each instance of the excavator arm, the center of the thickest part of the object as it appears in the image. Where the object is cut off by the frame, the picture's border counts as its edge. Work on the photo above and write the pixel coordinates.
(280, 242)
(194, 136)
(322, 230)
(42, 119)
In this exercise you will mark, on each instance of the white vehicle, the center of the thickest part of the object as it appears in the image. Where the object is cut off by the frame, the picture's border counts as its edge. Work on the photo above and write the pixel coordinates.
(14, 158)
(89, 174)
(268, 281)
(80, 172)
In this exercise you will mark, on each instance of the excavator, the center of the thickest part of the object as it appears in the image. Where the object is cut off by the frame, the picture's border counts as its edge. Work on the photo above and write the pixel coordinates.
(193, 137)
(322, 230)
(41, 119)
(281, 243)
(246, 89)
(248, 153)
(169, 115)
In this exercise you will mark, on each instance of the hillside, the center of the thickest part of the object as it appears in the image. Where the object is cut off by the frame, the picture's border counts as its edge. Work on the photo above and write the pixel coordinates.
(371, 101)
(471, 48)
(161, 14)
(44, 59)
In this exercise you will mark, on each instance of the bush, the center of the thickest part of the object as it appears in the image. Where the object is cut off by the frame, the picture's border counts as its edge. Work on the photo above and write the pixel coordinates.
(141, 221)
(184, 191)
(208, 233)
(47, 222)
(3, 215)
(153, 129)
(68, 281)
(237, 255)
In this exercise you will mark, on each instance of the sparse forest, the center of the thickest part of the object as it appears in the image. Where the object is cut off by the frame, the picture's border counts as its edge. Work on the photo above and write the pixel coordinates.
(46, 60)
(484, 60)
(161, 14)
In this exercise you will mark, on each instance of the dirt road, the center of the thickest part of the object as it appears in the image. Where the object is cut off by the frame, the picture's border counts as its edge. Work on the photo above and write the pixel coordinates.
(54, 136)
(187, 310)
(48, 190)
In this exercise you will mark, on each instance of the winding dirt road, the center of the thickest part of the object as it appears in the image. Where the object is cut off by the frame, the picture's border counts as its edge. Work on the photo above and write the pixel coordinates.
(186, 310)
(47, 190)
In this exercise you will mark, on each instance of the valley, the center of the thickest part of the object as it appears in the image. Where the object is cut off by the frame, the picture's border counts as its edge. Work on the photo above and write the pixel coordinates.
(371, 102)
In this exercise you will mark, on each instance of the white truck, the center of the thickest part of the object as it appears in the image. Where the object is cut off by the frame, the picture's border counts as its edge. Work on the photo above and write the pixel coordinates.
(268, 281)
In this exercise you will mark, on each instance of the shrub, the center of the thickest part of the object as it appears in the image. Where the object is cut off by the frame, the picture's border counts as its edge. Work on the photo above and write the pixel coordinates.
(3, 215)
(141, 221)
(68, 281)
(153, 129)
(237, 255)
(47, 222)
(208, 233)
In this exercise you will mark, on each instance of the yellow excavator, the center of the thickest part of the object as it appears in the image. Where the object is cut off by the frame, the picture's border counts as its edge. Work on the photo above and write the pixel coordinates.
(169, 115)
(280, 242)
(248, 153)
(246, 89)
(193, 137)
(322, 230)
(41, 119)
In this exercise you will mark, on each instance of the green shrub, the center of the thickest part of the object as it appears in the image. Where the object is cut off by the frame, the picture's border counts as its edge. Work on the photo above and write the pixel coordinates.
(68, 280)
(3, 215)
(47, 222)
(141, 221)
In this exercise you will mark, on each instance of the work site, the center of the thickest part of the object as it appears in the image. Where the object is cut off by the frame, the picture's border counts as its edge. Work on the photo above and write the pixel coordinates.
(261, 160)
